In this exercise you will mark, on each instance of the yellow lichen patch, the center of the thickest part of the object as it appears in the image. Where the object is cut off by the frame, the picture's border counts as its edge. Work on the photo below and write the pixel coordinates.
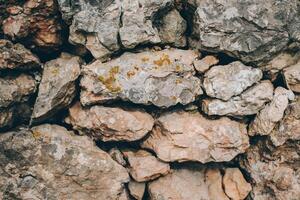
(54, 71)
(178, 68)
(178, 81)
(145, 59)
(174, 98)
(164, 59)
(36, 134)
(110, 81)
(130, 74)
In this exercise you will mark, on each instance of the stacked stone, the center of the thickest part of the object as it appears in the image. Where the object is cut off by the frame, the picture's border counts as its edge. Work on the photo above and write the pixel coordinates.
(159, 113)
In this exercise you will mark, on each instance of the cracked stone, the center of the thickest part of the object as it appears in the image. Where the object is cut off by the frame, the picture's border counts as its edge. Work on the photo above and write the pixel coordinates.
(188, 136)
(110, 123)
(162, 78)
(248, 103)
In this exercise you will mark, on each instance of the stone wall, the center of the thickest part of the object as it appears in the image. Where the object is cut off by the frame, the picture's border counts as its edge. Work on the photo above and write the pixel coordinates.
(156, 99)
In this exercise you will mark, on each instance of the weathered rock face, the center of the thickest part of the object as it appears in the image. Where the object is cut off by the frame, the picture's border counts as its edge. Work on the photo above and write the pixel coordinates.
(280, 62)
(272, 113)
(98, 24)
(163, 78)
(34, 22)
(205, 63)
(292, 77)
(250, 31)
(235, 186)
(289, 127)
(16, 89)
(57, 88)
(226, 81)
(16, 56)
(194, 183)
(184, 136)
(274, 170)
(144, 166)
(49, 162)
(110, 124)
(248, 103)
(172, 29)
(136, 189)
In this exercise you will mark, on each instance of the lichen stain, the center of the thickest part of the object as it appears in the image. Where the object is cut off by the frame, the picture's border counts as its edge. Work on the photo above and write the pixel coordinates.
(110, 81)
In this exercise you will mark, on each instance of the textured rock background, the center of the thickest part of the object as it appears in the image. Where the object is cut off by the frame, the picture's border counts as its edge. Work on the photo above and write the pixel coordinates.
(149, 99)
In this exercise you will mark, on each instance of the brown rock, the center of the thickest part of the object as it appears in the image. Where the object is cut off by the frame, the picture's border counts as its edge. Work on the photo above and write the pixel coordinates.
(57, 88)
(205, 63)
(213, 179)
(16, 56)
(274, 170)
(110, 124)
(136, 189)
(186, 136)
(272, 113)
(195, 183)
(289, 127)
(49, 162)
(36, 22)
(292, 77)
(16, 89)
(144, 166)
(236, 187)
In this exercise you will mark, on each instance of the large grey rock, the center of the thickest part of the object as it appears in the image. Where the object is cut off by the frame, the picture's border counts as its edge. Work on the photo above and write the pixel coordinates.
(16, 89)
(57, 88)
(226, 81)
(188, 136)
(272, 113)
(163, 78)
(143, 166)
(49, 162)
(249, 30)
(198, 184)
(172, 29)
(16, 56)
(274, 170)
(248, 103)
(98, 25)
(109, 123)
(289, 127)
(292, 77)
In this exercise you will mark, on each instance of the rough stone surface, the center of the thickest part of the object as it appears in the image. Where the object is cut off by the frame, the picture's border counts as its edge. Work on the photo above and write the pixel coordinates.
(248, 30)
(110, 124)
(235, 186)
(16, 89)
(274, 170)
(272, 113)
(16, 56)
(14, 115)
(34, 22)
(205, 63)
(49, 162)
(144, 166)
(280, 62)
(188, 136)
(57, 88)
(172, 29)
(289, 127)
(292, 77)
(226, 81)
(163, 78)
(190, 183)
(248, 103)
(130, 20)
(136, 189)
(117, 155)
